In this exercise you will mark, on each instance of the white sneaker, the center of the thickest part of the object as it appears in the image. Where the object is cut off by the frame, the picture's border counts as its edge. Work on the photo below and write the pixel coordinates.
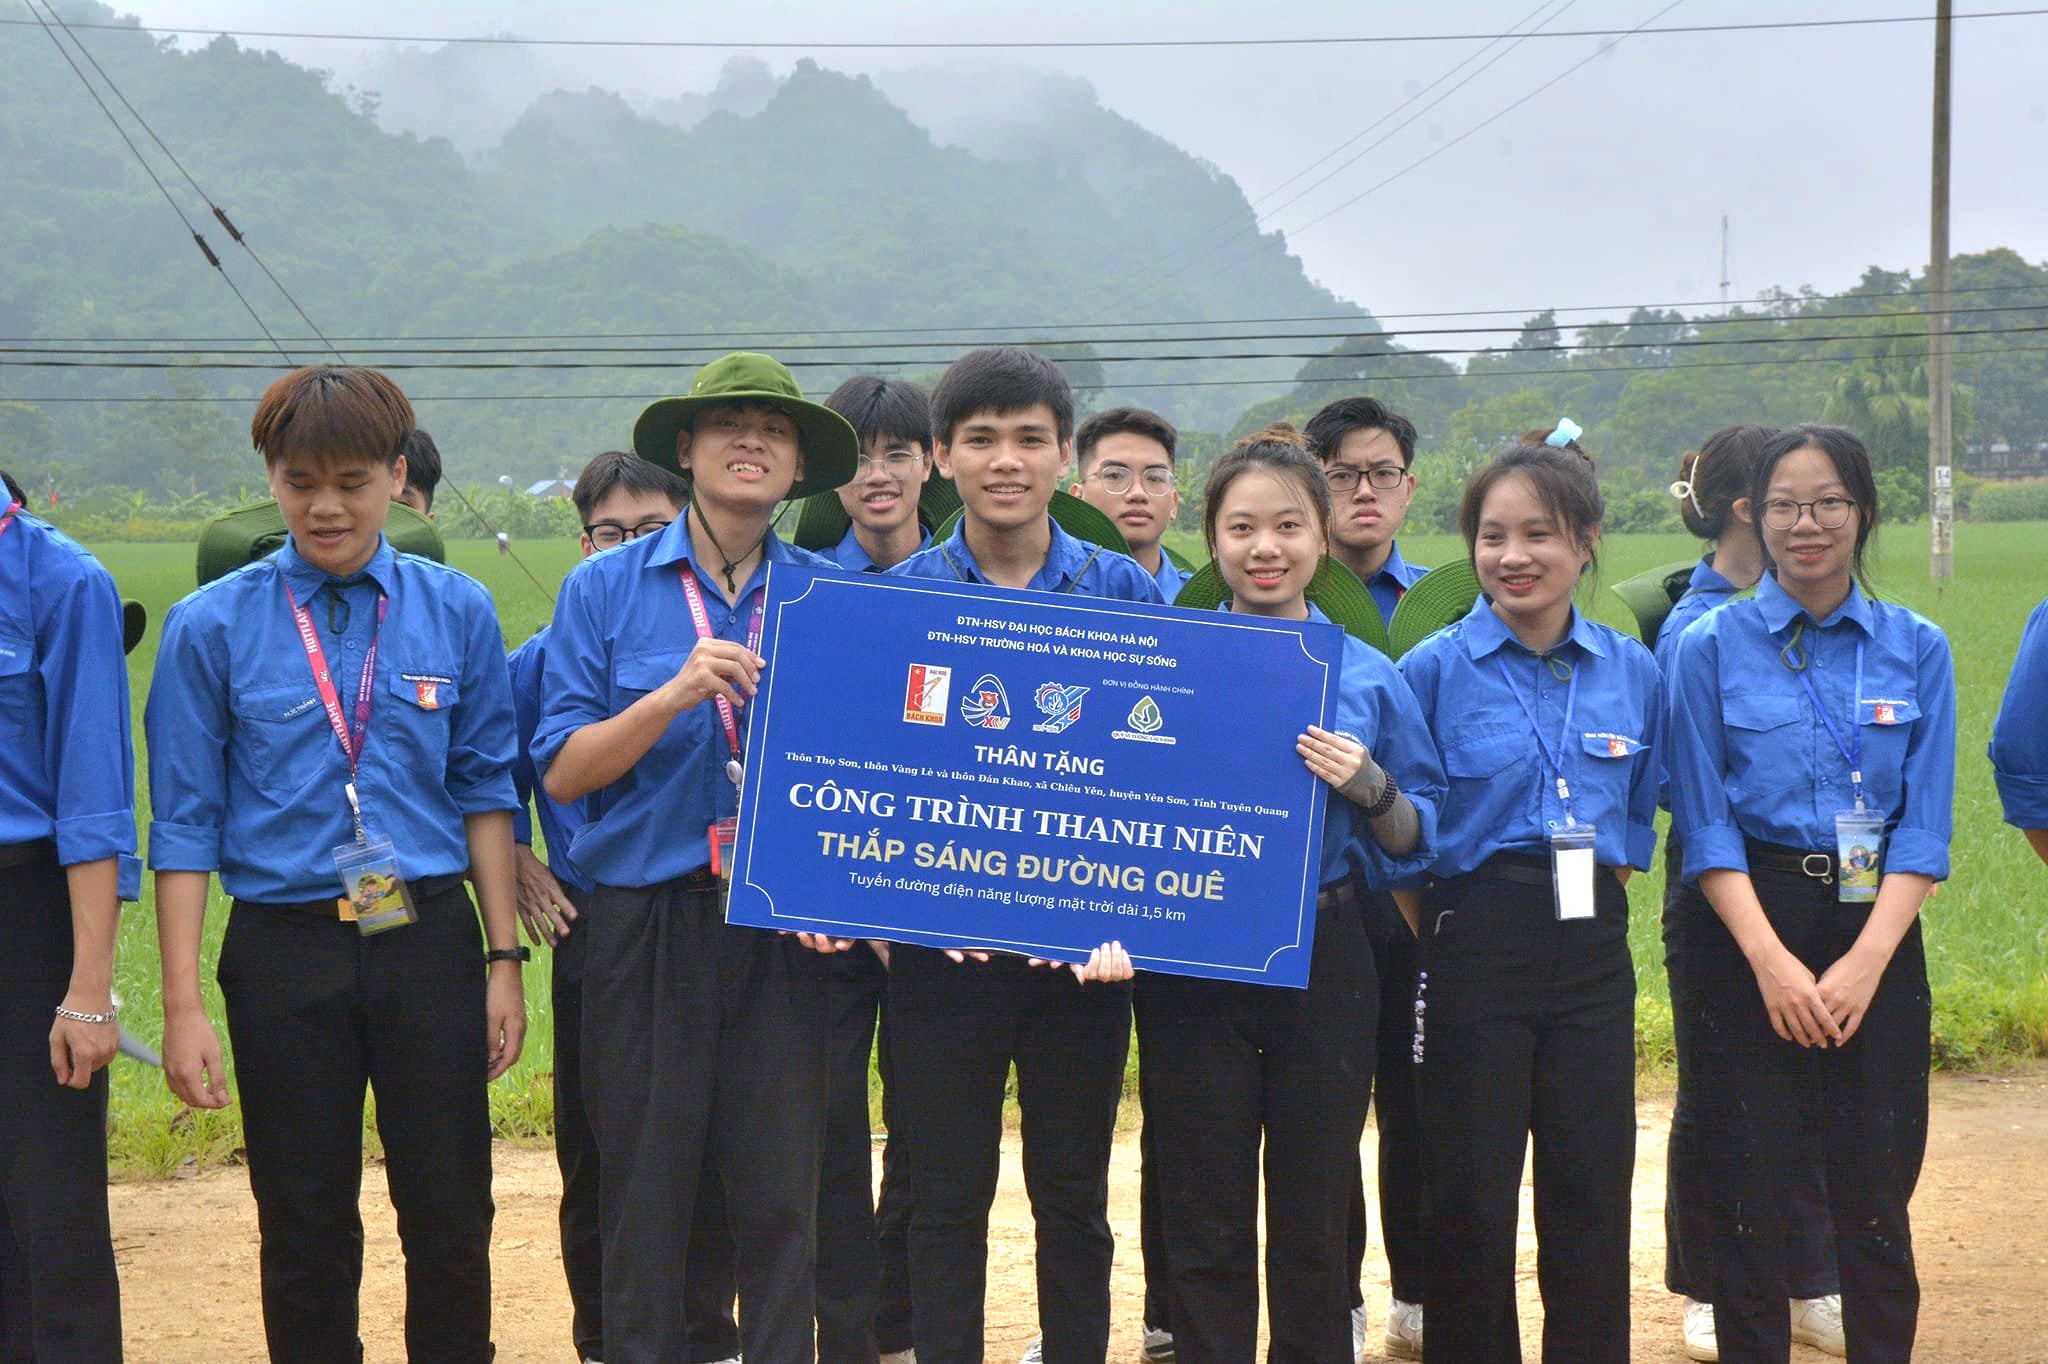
(1358, 1334)
(1818, 1322)
(1404, 1330)
(1700, 1341)
(1034, 1353)
(900, 1357)
(1156, 1347)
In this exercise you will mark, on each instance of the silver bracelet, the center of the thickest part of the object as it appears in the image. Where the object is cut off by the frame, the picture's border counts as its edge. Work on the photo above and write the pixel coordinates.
(112, 1014)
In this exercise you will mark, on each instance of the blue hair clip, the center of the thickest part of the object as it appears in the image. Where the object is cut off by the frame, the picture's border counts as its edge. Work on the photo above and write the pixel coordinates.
(1567, 432)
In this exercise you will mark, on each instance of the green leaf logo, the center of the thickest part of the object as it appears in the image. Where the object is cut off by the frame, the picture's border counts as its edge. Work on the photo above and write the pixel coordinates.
(1145, 716)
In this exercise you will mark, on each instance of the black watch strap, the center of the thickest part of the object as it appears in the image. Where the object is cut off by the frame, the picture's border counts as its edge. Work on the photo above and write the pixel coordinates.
(521, 953)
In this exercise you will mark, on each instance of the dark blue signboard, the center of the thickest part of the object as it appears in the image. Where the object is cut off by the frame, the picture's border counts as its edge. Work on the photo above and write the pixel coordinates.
(967, 766)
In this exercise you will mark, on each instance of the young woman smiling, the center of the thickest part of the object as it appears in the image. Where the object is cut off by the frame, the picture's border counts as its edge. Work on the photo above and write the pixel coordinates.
(1812, 778)
(1544, 720)
(1229, 1066)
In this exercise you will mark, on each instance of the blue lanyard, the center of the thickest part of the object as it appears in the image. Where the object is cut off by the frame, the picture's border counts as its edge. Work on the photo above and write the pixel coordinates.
(1556, 760)
(1852, 747)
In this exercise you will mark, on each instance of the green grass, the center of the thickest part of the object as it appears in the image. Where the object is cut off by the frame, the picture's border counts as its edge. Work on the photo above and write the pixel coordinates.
(1987, 941)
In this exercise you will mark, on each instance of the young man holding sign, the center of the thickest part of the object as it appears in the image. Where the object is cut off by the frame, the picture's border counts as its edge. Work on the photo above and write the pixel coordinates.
(1003, 429)
(698, 1036)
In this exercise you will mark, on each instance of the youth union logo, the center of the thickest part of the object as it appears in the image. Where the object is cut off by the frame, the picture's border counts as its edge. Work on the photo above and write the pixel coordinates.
(986, 705)
(1145, 722)
(1060, 705)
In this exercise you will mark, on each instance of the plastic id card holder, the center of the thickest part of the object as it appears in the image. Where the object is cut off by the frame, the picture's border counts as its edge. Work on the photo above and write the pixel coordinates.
(1859, 855)
(724, 835)
(1571, 870)
(373, 894)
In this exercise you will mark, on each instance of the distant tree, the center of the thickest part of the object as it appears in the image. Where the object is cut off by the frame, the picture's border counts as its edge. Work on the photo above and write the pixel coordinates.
(1882, 397)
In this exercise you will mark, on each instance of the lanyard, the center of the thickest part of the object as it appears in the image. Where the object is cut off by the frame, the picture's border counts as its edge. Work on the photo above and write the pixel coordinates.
(7, 518)
(1556, 760)
(701, 618)
(351, 740)
(1852, 747)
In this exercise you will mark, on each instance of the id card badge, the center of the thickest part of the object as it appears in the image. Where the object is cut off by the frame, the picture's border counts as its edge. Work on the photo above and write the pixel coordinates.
(1571, 870)
(725, 834)
(1859, 855)
(373, 894)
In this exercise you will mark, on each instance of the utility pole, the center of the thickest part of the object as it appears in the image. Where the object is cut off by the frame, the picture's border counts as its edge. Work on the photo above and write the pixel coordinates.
(1724, 262)
(1940, 490)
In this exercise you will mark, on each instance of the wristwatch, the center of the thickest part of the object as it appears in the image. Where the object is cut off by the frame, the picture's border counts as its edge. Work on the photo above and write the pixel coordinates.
(521, 954)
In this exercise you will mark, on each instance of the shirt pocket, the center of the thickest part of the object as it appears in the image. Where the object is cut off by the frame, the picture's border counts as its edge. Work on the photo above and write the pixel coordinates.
(277, 730)
(1764, 744)
(1478, 752)
(1888, 723)
(17, 684)
(638, 674)
(422, 700)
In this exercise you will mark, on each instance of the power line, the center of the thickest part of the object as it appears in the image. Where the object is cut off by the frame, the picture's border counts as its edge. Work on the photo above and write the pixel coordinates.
(143, 161)
(1687, 343)
(1040, 44)
(110, 348)
(1034, 330)
(1294, 382)
(219, 214)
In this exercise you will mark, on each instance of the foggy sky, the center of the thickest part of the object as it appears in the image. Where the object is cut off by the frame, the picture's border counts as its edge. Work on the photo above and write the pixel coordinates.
(1607, 188)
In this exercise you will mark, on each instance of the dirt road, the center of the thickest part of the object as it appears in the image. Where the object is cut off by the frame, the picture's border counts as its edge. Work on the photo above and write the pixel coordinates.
(188, 1249)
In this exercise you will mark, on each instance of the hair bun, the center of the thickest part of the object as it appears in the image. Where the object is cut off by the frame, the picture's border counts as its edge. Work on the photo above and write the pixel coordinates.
(1275, 433)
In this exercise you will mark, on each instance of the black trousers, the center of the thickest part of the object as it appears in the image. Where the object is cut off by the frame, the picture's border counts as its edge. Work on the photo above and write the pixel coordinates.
(714, 1335)
(59, 1298)
(1810, 1270)
(957, 1029)
(1873, 1097)
(700, 1037)
(1530, 1034)
(1151, 1190)
(1397, 1106)
(863, 1248)
(316, 1012)
(1235, 1068)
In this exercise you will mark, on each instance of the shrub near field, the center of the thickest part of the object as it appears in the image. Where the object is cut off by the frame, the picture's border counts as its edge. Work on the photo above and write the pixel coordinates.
(1987, 937)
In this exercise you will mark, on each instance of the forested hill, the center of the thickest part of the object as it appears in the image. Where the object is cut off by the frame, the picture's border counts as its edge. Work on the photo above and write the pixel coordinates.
(820, 208)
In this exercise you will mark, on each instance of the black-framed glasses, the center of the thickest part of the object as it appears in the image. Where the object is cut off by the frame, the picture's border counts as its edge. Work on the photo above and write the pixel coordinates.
(606, 534)
(1829, 513)
(897, 464)
(1383, 477)
(1116, 480)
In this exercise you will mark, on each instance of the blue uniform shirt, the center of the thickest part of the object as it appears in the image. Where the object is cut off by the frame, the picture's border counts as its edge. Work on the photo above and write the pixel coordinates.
(1170, 577)
(2019, 740)
(67, 769)
(1071, 565)
(1375, 707)
(1706, 590)
(1392, 582)
(1502, 789)
(848, 554)
(1751, 758)
(558, 823)
(246, 776)
(622, 629)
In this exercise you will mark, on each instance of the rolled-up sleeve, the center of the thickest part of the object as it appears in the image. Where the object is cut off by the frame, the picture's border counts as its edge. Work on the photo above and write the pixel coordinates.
(2019, 738)
(186, 723)
(483, 739)
(1647, 780)
(1700, 813)
(87, 744)
(1405, 751)
(1920, 841)
(576, 682)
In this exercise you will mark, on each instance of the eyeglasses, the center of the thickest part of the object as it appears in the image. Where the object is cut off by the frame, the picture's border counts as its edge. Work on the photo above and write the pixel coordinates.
(897, 464)
(606, 534)
(1829, 513)
(1116, 479)
(1384, 477)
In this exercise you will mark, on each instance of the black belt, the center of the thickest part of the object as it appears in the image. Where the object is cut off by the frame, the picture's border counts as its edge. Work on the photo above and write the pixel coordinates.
(24, 854)
(1344, 894)
(426, 888)
(1775, 857)
(1524, 869)
(700, 880)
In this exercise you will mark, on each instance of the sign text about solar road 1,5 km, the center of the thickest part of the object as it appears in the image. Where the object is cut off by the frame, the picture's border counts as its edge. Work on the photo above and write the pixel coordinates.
(966, 766)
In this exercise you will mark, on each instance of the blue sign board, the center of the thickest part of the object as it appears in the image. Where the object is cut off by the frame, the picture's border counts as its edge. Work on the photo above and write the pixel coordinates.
(967, 766)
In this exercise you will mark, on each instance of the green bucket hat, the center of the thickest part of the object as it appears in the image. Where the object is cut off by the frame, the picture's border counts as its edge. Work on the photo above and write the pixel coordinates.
(252, 532)
(1440, 597)
(1077, 518)
(1650, 596)
(1177, 559)
(822, 522)
(1335, 591)
(831, 449)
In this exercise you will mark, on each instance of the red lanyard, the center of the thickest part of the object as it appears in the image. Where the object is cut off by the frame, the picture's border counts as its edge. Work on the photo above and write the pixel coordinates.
(701, 618)
(351, 741)
(7, 518)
